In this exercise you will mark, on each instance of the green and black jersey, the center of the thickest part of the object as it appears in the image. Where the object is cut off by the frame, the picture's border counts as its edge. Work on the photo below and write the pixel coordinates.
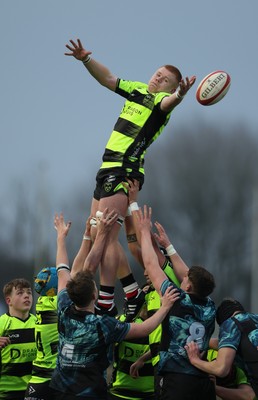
(16, 358)
(46, 334)
(140, 122)
(125, 354)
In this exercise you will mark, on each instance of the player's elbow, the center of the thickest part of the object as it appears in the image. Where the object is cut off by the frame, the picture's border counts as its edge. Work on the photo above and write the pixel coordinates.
(223, 370)
(109, 82)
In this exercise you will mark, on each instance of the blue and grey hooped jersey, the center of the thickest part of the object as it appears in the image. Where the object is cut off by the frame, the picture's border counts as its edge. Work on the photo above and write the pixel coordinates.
(84, 348)
(190, 319)
(140, 122)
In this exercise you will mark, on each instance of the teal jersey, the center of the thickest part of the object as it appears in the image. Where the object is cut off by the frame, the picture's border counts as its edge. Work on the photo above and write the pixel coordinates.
(84, 346)
(241, 333)
(125, 354)
(235, 378)
(16, 358)
(140, 122)
(46, 335)
(190, 319)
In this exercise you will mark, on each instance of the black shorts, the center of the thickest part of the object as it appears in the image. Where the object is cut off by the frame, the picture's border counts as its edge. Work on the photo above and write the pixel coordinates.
(39, 391)
(187, 387)
(110, 182)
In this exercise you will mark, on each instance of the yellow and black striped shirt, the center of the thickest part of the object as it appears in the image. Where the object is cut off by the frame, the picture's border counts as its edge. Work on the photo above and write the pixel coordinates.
(140, 122)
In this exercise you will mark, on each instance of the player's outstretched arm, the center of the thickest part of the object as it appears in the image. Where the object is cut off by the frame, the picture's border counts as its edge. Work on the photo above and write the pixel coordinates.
(62, 261)
(84, 249)
(132, 230)
(133, 237)
(179, 266)
(145, 328)
(150, 259)
(101, 73)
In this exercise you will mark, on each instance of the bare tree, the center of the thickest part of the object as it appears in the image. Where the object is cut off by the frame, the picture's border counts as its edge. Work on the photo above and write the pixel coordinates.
(204, 179)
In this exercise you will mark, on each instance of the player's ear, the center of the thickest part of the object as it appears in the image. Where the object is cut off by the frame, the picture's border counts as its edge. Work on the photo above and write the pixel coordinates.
(8, 300)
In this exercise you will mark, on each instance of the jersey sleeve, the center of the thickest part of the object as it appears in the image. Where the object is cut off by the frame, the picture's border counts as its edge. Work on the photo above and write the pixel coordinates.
(165, 284)
(229, 335)
(63, 300)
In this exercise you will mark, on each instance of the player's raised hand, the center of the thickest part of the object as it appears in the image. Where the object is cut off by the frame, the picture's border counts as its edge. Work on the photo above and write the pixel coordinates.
(61, 226)
(107, 220)
(186, 84)
(77, 50)
(161, 235)
(144, 218)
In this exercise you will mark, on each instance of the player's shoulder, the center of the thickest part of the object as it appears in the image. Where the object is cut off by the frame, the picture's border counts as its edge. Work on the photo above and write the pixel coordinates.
(3, 316)
(129, 85)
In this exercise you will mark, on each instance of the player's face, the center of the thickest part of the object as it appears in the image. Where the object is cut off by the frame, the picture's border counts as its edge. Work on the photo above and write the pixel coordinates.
(20, 299)
(162, 81)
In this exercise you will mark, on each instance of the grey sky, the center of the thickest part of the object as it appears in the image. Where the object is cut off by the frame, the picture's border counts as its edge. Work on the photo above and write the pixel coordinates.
(53, 112)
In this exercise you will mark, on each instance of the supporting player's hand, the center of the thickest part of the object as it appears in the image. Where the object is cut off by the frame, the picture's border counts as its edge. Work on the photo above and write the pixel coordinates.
(133, 187)
(106, 221)
(193, 351)
(134, 368)
(171, 295)
(61, 226)
(161, 236)
(77, 50)
(144, 218)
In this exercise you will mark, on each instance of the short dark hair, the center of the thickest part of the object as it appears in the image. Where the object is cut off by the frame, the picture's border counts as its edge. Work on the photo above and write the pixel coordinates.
(81, 288)
(18, 283)
(227, 308)
(202, 281)
(174, 70)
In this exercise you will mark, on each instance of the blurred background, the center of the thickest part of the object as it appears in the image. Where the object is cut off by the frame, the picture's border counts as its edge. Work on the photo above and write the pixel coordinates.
(201, 174)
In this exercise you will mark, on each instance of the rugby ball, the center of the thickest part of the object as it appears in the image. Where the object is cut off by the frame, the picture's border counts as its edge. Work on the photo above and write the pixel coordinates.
(213, 88)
